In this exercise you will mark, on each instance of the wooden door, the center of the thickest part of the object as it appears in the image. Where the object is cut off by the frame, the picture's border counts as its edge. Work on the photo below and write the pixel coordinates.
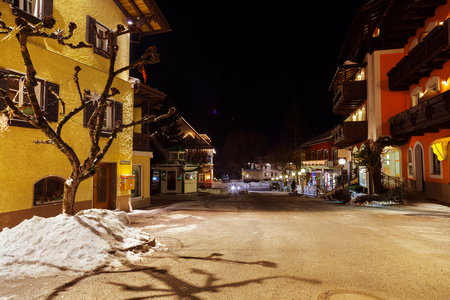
(171, 180)
(105, 186)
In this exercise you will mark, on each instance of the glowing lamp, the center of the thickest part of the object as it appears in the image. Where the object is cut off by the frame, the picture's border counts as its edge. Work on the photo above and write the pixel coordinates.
(342, 161)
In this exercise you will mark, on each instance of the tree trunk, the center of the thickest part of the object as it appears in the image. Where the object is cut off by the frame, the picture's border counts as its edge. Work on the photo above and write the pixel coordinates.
(70, 190)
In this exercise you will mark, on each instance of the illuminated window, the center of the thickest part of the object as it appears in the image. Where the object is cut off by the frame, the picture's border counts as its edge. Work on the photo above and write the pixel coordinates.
(415, 95)
(137, 172)
(48, 190)
(432, 84)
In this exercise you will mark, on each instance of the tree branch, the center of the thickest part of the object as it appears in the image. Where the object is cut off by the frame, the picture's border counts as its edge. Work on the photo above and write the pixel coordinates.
(120, 127)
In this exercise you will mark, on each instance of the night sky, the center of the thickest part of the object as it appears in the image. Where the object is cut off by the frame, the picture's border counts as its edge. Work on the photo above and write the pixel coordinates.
(230, 65)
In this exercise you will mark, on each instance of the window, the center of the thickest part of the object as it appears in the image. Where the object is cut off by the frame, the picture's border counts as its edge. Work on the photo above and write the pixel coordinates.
(313, 155)
(137, 172)
(415, 95)
(15, 89)
(17, 92)
(181, 156)
(107, 120)
(201, 178)
(32, 10)
(101, 45)
(435, 164)
(335, 154)
(319, 154)
(432, 84)
(48, 190)
(113, 113)
(326, 154)
(410, 163)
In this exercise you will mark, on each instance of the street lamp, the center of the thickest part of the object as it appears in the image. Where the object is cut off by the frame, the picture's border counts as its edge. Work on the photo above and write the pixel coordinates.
(342, 162)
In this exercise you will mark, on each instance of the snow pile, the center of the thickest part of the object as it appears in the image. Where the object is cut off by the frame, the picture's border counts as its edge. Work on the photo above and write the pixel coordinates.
(90, 240)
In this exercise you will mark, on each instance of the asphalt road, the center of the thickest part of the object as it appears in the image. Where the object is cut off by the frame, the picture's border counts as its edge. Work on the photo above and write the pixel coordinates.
(275, 246)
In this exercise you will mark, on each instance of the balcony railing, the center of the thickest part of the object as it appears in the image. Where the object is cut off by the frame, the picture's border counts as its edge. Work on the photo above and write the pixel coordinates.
(429, 116)
(426, 56)
(350, 133)
(141, 142)
(349, 96)
(321, 163)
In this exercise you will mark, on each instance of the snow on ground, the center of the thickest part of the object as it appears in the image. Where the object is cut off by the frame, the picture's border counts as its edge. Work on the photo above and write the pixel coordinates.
(87, 241)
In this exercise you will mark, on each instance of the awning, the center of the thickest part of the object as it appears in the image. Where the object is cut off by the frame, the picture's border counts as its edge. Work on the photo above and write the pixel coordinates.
(440, 148)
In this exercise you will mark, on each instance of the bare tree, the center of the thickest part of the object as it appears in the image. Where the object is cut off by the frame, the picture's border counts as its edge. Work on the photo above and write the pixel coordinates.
(243, 148)
(370, 156)
(81, 169)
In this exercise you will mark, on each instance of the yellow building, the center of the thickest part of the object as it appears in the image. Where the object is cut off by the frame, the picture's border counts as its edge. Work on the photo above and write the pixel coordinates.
(32, 175)
(147, 101)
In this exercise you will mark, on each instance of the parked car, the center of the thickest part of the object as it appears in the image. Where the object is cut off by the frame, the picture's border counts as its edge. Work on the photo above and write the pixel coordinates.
(274, 186)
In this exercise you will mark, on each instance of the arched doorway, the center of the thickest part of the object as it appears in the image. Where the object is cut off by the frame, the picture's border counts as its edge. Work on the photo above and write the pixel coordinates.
(418, 168)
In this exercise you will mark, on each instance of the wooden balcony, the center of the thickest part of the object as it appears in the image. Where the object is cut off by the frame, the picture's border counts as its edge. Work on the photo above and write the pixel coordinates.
(429, 116)
(141, 142)
(350, 133)
(319, 164)
(349, 96)
(426, 56)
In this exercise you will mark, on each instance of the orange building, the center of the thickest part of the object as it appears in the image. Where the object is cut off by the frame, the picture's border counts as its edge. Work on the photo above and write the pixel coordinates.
(393, 82)
(422, 75)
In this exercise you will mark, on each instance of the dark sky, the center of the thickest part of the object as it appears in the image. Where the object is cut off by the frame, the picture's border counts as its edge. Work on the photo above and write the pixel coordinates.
(248, 60)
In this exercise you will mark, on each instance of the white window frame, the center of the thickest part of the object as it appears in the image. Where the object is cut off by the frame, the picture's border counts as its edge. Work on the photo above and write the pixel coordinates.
(431, 164)
(432, 84)
(108, 119)
(416, 93)
(33, 7)
(101, 44)
(20, 93)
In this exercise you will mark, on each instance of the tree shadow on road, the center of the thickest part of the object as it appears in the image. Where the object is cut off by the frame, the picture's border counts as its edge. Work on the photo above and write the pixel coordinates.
(175, 286)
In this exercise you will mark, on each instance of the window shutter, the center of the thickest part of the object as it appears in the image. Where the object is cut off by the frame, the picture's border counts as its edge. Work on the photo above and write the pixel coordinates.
(87, 113)
(48, 8)
(51, 103)
(118, 112)
(90, 34)
(4, 86)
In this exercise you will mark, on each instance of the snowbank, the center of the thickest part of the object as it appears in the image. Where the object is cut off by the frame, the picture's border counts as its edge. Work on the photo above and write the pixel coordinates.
(87, 241)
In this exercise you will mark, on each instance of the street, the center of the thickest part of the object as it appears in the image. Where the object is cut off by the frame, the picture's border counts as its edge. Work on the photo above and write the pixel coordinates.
(272, 246)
